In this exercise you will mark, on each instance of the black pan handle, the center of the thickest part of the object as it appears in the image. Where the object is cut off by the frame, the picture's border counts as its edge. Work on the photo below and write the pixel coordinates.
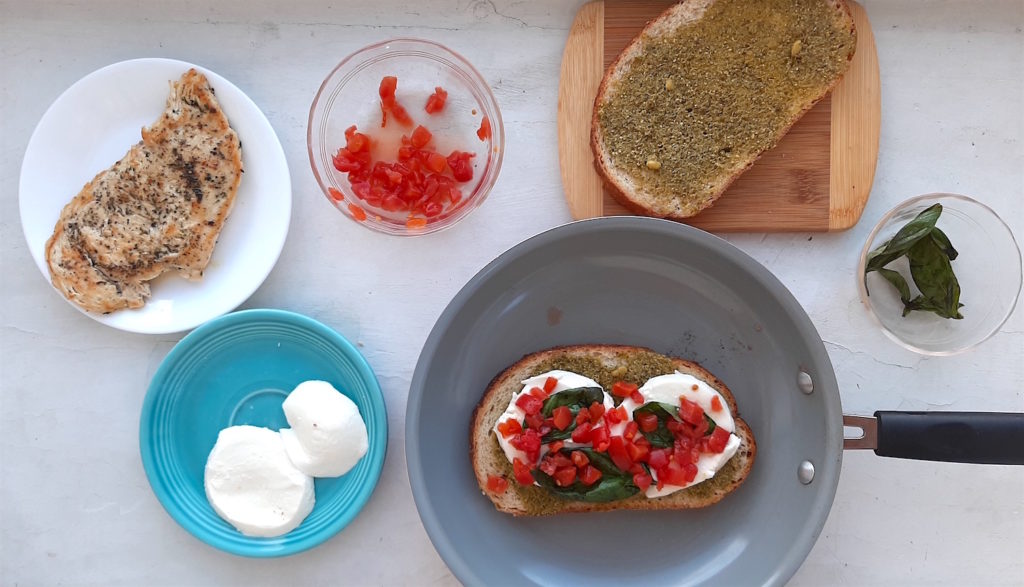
(991, 438)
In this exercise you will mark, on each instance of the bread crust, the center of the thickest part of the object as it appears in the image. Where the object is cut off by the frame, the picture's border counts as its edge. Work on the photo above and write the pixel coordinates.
(521, 501)
(686, 11)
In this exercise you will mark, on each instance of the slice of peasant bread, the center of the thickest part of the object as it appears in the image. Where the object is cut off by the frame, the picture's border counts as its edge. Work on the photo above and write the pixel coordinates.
(705, 89)
(605, 364)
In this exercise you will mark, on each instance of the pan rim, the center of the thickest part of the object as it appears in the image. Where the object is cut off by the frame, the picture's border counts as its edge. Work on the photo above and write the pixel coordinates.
(822, 372)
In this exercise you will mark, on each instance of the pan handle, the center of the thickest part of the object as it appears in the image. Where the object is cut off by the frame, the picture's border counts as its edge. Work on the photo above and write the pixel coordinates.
(992, 438)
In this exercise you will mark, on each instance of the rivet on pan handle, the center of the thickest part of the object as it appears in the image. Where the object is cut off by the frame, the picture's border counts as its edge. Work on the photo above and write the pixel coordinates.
(992, 438)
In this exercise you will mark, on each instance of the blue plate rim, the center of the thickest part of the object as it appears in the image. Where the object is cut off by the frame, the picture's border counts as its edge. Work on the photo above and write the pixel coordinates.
(252, 547)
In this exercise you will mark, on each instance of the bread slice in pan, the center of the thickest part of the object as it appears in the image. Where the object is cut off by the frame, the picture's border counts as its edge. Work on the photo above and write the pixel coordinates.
(605, 364)
(706, 88)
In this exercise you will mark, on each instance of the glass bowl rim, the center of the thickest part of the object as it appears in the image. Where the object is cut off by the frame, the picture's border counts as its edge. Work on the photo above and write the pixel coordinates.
(869, 242)
(488, 103)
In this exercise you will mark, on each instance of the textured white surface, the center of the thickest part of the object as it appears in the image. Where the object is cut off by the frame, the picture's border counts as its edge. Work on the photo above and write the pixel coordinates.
(75, 507)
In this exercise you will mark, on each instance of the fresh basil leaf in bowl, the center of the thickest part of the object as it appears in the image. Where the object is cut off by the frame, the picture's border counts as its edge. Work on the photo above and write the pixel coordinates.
(919, 280)
(929, 253)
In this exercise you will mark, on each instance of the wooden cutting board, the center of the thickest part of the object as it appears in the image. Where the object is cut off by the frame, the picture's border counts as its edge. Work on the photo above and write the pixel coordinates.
(816, 179)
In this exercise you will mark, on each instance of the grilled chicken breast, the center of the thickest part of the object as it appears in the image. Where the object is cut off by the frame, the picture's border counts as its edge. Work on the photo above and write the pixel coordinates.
(160, 208)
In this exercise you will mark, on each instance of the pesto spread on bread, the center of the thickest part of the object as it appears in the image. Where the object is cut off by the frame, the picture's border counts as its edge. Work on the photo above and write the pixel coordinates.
(600, 427)
(706, 88)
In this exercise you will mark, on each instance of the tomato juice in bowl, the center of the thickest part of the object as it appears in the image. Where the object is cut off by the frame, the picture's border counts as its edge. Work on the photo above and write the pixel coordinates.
(410, 192)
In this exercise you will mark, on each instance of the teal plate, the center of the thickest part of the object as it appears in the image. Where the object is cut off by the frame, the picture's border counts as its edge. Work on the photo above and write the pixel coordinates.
(237, 369)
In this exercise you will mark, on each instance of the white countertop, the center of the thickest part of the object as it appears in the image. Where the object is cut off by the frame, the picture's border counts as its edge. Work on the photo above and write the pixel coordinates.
(75, 507)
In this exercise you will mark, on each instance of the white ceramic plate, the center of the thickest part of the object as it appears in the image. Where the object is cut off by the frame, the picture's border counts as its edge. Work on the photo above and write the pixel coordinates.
(94, 123)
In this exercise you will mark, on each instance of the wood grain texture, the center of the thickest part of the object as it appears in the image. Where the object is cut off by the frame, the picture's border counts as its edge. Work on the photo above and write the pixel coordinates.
(817, 178)
(856, 125)
(583, 48)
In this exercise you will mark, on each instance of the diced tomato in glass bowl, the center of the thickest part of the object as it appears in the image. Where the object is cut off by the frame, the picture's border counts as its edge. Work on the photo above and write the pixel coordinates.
(405, 137)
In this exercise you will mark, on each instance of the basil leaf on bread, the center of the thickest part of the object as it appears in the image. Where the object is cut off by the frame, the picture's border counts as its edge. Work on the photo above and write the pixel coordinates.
(615, 484)
(575, 399)
(662, 437)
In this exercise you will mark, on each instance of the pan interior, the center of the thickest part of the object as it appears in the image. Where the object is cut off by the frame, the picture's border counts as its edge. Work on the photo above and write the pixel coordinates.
(643, 282)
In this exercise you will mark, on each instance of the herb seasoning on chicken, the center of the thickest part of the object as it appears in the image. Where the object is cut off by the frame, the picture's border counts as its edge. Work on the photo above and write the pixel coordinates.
(160, 208)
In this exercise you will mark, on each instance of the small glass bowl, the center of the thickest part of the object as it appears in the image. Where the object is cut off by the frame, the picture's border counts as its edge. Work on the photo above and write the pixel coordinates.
(988, 269)
(349, 96)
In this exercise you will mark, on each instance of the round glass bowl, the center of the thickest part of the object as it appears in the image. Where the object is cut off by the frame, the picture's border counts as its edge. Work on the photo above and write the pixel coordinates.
(350, 96)
(238, 369)
(988, 269)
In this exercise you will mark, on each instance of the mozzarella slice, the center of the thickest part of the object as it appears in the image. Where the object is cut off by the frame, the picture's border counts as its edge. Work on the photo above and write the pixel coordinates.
(327, 435)
(253, 485)
(566, 380)
(668, 389)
